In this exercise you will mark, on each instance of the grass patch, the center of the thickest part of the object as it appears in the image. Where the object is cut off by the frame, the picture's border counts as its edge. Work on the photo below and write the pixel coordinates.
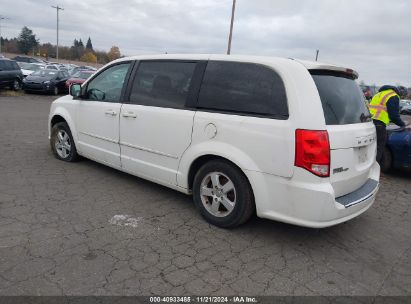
(10, 93)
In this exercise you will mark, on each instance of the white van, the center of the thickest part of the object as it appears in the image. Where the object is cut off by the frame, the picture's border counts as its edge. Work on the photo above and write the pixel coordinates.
(290, 140)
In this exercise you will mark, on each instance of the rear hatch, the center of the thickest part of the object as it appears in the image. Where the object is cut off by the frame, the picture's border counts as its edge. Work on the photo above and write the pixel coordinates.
(350, 129)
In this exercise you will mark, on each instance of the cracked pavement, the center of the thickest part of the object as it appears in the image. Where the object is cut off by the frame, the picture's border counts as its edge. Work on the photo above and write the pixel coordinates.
(86, 229)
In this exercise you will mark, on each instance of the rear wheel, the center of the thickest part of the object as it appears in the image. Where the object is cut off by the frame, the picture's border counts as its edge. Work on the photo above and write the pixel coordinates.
(222, 194)
(386, 161)
(62, 143)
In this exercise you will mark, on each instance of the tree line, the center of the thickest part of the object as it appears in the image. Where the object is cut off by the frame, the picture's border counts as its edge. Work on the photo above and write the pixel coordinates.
(27, 43)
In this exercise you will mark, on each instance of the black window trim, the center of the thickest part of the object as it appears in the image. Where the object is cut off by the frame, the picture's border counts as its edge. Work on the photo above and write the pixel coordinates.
(193, 92)
(123, 90)
(243, 113)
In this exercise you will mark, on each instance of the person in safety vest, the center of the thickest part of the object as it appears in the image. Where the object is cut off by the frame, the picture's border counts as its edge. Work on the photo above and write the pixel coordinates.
(385, 108)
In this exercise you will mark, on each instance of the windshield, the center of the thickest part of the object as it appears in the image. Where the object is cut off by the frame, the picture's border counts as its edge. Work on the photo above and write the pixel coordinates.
(342, 99)
(44, 73)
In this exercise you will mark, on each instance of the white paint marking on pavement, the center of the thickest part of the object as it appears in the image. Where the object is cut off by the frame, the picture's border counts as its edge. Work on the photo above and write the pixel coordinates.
(125, 220)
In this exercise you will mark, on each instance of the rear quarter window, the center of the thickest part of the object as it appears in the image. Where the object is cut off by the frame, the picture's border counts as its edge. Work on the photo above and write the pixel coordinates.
(243, 88)
(342, 99)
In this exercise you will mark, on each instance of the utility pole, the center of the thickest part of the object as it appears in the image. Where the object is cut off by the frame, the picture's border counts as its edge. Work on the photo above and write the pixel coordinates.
(57, 49)
(316, 55)
(231, 28)
(1, 18)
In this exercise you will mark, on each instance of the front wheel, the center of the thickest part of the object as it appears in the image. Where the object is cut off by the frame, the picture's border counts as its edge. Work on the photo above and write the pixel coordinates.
(56, 90)
(222, 194)
(62, 143)
(16, 85)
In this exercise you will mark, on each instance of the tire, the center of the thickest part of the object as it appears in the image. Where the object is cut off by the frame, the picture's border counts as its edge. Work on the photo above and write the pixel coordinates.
(386, 161)
(16, 86)
(55, 91)
(211, 201)
(62, 143)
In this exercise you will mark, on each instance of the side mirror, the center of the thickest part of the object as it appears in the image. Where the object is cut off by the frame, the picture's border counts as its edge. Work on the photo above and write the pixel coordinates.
(75, 90)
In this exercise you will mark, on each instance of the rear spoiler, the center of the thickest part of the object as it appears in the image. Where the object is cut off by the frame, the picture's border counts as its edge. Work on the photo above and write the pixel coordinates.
(313, 66)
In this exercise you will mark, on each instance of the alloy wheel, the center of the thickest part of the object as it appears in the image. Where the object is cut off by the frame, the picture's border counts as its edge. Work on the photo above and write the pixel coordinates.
(63, 144)
(218, 194)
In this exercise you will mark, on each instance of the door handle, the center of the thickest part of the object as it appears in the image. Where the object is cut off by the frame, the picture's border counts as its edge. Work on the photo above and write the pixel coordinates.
(110, 112)
(129, 114)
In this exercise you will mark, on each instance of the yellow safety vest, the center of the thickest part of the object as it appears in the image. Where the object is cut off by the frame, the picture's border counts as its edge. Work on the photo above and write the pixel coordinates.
(378, 105)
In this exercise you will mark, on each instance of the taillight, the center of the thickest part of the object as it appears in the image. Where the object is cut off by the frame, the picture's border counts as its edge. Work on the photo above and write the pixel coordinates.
(312, 151)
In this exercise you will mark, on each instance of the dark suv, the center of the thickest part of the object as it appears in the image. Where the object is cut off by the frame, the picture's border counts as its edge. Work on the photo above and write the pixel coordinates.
(10, 74)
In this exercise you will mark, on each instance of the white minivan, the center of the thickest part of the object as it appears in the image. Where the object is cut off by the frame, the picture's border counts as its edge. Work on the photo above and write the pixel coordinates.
(290, 140)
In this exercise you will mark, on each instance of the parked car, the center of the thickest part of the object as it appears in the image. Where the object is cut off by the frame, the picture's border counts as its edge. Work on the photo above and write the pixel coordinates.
(28, 68)
(83, 67)
(10, 74)
(404, 102)
(397, 153)
(52, 67)
(28, 59)
(47, 81)
(292, 140)
(80, 77)
(406, 109)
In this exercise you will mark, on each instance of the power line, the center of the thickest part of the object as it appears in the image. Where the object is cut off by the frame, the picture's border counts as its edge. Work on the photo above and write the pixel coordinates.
(1, 18)
(57, 9)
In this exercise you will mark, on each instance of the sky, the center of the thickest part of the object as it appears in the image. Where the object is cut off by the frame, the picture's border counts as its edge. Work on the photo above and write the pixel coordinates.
(371, 36)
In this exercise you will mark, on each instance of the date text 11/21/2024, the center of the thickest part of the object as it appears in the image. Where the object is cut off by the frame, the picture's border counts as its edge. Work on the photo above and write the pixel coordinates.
(204, 299)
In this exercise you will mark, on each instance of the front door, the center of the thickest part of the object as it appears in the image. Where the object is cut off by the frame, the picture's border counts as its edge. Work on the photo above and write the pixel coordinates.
(98, 116)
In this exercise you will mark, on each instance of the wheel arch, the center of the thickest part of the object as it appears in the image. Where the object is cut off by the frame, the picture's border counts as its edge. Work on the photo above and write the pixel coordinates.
(61, 115)
(56, 119)
(198, 162)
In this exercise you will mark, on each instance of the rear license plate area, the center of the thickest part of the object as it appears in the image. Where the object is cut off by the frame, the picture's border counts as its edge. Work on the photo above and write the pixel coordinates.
(362, 153)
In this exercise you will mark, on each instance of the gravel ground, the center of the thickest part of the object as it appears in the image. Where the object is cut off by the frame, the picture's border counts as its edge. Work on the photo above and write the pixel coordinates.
(86, 229)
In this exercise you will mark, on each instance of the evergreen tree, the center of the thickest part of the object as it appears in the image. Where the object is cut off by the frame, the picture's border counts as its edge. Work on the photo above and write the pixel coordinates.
(27, 40)
(89, 45)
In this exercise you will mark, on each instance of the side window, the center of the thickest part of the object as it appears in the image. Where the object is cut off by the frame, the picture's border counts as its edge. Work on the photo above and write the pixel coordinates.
(8, 65)
(2, 65)
(243, 88)
(162, 83)
(107, 85)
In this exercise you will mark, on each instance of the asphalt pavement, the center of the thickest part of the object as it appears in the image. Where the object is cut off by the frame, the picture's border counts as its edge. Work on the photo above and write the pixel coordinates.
(86, 229)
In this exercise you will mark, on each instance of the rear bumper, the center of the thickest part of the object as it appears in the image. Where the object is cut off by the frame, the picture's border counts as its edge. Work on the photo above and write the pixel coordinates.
(309, 204)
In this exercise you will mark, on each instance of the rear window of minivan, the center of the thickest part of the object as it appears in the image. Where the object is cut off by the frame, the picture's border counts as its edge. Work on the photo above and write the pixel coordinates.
(243, 89)
(342, 99)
